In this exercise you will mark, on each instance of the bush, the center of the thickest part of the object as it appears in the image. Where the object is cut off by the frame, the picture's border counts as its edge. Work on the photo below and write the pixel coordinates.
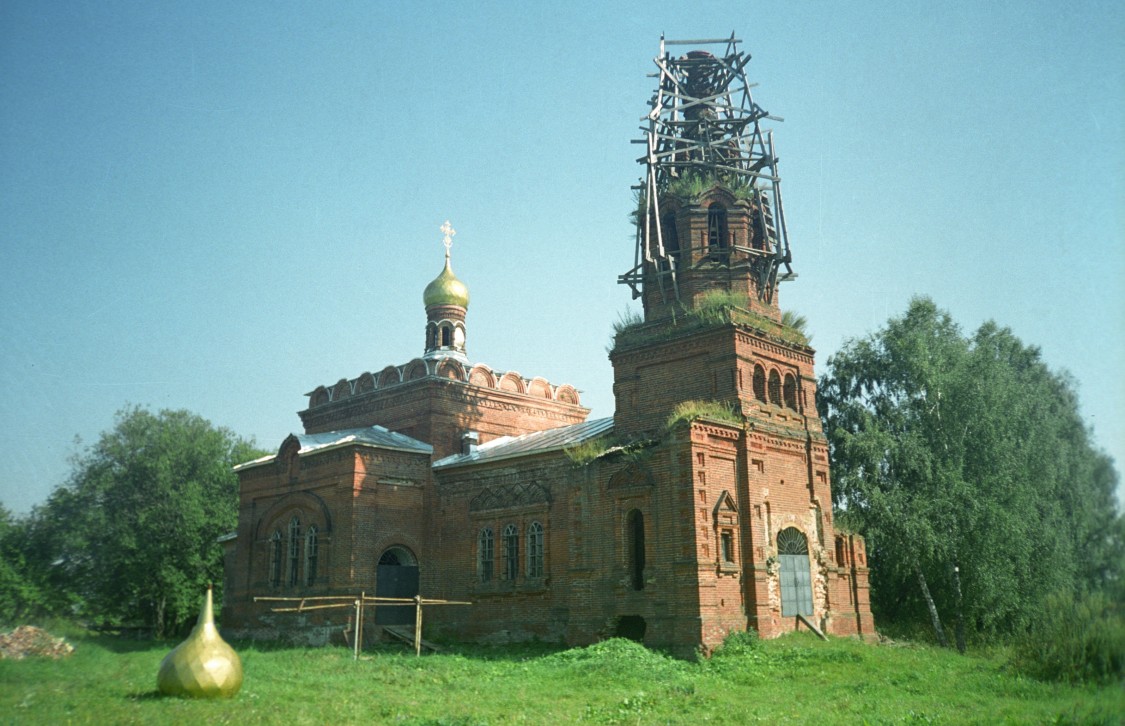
(738, 642)
(1075, 641)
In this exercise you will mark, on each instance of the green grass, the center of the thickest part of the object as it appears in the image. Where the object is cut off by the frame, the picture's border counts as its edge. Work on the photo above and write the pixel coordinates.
(692, 410)
(713, 309)
(795, 679)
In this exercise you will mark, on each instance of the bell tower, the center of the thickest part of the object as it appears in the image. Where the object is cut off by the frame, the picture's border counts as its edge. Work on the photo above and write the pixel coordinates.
(709, 218)
(711, 251)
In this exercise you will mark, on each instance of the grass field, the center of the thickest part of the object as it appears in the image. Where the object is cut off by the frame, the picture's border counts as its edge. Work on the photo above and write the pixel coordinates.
(795, 679)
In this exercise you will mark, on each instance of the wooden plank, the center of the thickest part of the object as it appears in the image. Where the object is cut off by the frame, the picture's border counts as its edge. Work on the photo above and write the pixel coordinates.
(405, 634)
(317, 597)
(720, 41)
(811, 627)
(307, 608)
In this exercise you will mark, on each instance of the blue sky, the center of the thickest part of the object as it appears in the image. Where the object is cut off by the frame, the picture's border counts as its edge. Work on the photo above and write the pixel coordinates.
(221, 206)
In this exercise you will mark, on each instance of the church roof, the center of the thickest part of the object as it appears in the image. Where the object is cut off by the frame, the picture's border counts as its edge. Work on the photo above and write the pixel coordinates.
(534, 443)
(376, 436)
(371, 436)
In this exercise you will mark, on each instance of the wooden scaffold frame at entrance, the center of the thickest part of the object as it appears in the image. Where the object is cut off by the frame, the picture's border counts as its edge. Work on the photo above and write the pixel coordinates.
(359, 602)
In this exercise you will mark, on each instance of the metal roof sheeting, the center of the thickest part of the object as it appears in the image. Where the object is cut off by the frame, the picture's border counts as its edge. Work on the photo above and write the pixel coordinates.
(371, 436)
(534, 443)
(376, 436)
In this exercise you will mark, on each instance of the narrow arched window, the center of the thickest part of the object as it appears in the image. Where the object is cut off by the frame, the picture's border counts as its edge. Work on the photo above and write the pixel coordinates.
(312, 552)
(758, 227)
(671, 237)
(275, 559)
(775, 388)
(535, 550)
(716, 227)
(790, 391)
(635, 547)
(485, 554)
(294, 550)
(760, 383)
(446, 336)
(511, 552)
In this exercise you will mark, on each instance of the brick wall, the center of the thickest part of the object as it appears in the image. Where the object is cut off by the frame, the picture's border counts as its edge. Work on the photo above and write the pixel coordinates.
(708, 498)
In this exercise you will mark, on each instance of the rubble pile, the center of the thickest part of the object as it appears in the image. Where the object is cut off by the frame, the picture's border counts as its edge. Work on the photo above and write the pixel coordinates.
(28, 640)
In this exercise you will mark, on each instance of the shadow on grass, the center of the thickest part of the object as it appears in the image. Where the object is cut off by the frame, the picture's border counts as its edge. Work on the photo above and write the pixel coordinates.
(152, 695)
(123, 644)
(513, 652)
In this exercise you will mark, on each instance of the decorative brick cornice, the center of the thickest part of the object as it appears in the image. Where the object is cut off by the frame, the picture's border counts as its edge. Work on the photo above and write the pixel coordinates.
(439, 389)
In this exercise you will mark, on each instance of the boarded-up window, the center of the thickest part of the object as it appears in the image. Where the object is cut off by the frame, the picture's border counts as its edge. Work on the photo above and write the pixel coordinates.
(535, 550)
(511, 552)
(485, 554)
(635, 535)
(275, 559)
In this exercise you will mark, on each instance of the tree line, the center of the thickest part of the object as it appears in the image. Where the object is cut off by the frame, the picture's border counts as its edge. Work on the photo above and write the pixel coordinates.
(965, 462)
(130, 537)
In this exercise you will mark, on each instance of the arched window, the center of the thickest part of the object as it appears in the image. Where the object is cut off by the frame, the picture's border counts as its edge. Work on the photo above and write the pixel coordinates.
(431, 336)
(796, 579)
(758, 225)
(717, 234)
(760, 383)
(671, 237)
(485, 554)
(511, 552)
(446, 336)
(275, 559)
(775, 388)
(312, 551)
(790, 391)
(294, 550)
(635, 535)
(535, 550)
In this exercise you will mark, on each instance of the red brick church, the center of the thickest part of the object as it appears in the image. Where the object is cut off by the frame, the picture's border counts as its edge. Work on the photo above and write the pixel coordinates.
(702, 507)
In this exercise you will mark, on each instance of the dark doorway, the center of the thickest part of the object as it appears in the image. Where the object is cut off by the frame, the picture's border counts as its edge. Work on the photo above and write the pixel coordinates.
(632, 627)
(396, 576)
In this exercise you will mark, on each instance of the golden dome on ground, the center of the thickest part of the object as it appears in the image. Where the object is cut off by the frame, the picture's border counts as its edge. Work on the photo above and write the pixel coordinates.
(446, 289)
(204, 665)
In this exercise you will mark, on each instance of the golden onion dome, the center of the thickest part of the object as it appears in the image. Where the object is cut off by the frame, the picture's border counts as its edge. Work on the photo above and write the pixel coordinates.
(204, 665)
(446, 289)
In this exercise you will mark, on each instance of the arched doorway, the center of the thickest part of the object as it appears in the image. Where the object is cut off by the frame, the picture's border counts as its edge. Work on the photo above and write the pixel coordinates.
(796, 578)
(396, 576)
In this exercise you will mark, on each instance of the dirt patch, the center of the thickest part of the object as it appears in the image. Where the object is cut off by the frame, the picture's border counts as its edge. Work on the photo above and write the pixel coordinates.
(30, 641)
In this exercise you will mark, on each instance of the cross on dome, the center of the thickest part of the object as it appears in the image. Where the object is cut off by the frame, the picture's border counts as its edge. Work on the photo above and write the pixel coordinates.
(447, 230)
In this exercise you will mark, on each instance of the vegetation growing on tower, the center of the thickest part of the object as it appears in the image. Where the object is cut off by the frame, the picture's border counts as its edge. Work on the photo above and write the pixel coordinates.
(713, 309)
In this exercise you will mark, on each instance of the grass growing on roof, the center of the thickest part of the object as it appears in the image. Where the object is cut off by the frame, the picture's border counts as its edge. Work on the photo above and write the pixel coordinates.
(692, 410)
(713, 308)
(587, 451)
